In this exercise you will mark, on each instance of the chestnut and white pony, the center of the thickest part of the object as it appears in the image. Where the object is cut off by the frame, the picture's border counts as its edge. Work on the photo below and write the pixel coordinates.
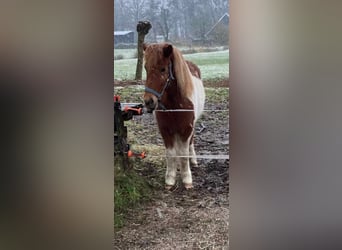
(175, 92)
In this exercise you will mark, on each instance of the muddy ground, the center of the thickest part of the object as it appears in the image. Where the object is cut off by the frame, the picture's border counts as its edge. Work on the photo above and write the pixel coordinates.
(184, 219)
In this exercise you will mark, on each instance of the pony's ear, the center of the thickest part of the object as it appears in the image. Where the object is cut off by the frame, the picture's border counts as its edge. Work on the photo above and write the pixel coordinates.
(144, 46)
(167, 50)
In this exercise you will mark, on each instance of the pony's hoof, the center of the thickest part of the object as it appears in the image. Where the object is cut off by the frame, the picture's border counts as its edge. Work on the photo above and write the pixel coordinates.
(168, 187)
(194, 165)
(193, 162)
(188, 186)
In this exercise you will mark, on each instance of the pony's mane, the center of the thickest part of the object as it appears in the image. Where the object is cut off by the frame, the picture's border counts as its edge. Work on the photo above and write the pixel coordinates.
(182, 73)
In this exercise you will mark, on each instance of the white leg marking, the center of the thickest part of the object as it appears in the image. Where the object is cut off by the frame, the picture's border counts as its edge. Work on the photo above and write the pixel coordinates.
(193, 159)
(186, 172)
(171, 167)
(182, 149)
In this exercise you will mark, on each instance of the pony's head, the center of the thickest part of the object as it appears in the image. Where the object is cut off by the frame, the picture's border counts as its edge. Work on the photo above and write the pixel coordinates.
(158, 71)
(163, 64)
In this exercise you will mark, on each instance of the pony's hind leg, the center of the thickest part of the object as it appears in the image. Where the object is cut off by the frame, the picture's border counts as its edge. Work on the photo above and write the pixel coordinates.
(193, 160)
(192, 153)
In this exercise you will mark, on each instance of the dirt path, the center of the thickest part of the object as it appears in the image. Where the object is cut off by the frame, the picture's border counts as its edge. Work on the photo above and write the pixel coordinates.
(181, 219)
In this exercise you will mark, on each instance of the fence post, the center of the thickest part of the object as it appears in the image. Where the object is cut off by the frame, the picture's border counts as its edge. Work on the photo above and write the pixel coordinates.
(120, 138)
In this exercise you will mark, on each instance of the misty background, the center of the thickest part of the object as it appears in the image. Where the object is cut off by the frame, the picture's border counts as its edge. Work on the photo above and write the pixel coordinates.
(197, 22)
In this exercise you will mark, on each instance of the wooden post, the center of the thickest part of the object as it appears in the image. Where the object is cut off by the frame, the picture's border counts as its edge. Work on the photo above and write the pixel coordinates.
(142, 28)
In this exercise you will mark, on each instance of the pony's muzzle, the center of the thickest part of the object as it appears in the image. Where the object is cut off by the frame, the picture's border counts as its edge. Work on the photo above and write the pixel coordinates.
(150, 104)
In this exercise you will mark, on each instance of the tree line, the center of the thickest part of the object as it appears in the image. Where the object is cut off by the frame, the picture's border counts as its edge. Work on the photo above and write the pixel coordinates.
(175, 20)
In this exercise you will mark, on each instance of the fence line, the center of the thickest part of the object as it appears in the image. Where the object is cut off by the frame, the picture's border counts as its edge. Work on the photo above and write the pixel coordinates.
(221, 157)
(123, 104)
(191, 110)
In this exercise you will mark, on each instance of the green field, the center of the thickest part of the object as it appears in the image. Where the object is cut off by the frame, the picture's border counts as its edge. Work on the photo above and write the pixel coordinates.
(126, 53)
(213, 65)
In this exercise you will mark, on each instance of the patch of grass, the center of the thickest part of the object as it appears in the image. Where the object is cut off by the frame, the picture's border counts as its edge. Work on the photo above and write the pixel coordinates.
(118, 57)
(213, 65)
(127, 53)
(125, 69)
(132, 94)
(209, 58)
(217, 95)
(154, 155)
(129, 190)
(189, 51)
(216, 82)
(136, 185)
(125, 46)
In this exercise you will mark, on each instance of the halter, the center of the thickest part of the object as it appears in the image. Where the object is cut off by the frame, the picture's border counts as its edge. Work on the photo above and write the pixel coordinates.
(160, 94)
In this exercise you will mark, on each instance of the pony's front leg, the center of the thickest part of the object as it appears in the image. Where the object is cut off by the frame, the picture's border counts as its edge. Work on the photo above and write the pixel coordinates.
(184, 165)
(186, 173)
(171, 168)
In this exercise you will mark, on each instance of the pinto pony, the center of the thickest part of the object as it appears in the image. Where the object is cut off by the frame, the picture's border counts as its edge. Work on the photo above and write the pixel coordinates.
(175, 92)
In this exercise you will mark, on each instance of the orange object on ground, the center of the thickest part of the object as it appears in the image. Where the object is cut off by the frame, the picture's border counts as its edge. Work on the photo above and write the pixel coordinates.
(142, 155)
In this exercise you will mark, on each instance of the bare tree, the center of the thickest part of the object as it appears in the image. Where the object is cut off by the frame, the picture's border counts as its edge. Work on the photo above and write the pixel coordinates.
(127, 13)
(120, 22)
(165, 19)
(164, 23)
(153, 10)
(174, 19)
(137, 9)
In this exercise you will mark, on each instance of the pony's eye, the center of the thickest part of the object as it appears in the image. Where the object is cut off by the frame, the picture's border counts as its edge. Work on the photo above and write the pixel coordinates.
(162, 70)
